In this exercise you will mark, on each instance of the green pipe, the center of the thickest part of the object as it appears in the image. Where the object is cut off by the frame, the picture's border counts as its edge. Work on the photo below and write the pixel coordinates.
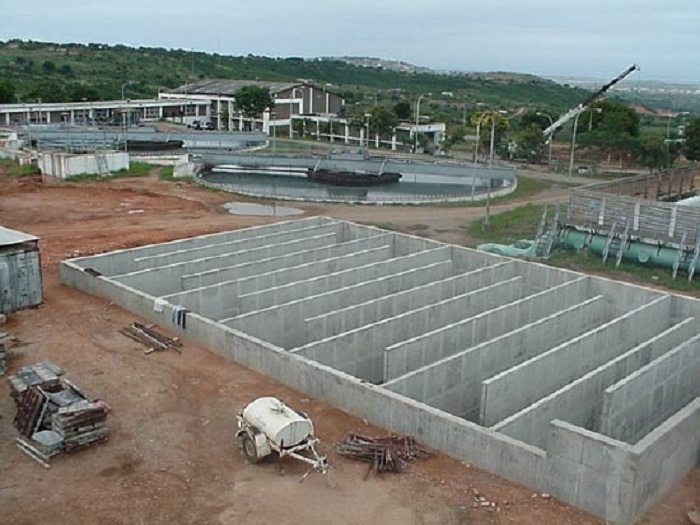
(634, 251)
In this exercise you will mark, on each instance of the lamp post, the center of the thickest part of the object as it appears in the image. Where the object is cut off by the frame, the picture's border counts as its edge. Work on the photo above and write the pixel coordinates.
(124, 85)
(415, 145)
(367, 117)
(573, 140)
(551, 138)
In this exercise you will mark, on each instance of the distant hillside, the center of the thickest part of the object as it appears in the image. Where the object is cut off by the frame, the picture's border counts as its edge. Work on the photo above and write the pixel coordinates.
(381, 63)
(76, 71)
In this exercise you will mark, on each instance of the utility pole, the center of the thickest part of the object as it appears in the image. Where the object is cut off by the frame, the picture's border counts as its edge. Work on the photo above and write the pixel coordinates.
(487, 220)
(551, 138)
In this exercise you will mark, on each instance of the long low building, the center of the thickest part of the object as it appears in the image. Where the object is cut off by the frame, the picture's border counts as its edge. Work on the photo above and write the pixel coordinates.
(103, 112)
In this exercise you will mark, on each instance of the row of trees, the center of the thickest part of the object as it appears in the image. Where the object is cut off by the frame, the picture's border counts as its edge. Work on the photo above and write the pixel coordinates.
(611, 127)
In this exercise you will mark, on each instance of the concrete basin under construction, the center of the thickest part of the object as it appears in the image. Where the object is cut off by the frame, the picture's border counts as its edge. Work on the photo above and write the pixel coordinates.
(575, 385)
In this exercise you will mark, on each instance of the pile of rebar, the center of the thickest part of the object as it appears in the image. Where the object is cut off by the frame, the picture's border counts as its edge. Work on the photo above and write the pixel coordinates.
(153, 340)
(385, 454)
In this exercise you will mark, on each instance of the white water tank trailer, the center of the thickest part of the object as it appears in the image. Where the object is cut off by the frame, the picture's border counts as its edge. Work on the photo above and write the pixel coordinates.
(268, 425)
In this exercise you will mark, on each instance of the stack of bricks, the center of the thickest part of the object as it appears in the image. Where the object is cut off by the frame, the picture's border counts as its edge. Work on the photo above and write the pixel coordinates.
(4, 350)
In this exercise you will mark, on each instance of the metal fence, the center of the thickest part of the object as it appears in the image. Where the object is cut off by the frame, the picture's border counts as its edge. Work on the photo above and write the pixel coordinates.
(626, 205)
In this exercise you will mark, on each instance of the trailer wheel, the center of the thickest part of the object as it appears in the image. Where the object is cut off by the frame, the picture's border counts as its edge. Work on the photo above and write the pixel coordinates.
(249, 449)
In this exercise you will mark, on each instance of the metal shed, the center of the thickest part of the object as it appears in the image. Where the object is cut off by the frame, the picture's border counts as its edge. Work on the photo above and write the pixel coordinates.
(20, 271)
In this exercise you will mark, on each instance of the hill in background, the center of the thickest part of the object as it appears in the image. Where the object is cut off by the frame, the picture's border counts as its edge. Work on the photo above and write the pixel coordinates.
(63, 72)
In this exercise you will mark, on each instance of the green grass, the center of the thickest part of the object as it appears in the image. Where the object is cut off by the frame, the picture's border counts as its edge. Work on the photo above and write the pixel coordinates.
(585, 261)
(166, 173)
(14, 169)
(508, 226)
(136, 169)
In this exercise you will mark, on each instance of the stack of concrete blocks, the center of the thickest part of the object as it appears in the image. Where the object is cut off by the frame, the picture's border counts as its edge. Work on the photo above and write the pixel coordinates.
(4, 351)
(524, 370)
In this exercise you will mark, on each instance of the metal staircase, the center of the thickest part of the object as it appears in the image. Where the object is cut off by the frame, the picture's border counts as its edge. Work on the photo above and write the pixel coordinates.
(610, 243)
(547, 232)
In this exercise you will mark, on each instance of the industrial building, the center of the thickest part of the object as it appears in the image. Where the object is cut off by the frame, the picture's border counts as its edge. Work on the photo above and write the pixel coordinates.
(106, 112)
(575, 385)
(291, 99)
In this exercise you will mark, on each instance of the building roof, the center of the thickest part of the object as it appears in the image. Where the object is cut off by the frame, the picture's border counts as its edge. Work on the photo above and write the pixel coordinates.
(9, 237)
(231, 87)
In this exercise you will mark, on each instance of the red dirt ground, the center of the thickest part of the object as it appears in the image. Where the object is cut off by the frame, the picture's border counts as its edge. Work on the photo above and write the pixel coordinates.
(171, 457)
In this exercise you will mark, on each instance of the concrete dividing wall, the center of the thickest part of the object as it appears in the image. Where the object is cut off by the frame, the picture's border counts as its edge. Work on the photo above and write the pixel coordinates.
(168, 279)
(224, 297)
(335, 322)
(283, 324)
(323, 283)
(184, 255)
(453, 384)
(120, 261)
(580, 402)
(416, 352)
(360, 351)
(286, 260)
(512, 390)
(637, 404)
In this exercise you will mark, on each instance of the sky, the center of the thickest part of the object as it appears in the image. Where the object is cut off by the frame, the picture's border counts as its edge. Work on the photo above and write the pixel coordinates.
(587, 38)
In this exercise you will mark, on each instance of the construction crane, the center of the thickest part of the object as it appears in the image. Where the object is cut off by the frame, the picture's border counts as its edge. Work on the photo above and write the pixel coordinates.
(572, 113)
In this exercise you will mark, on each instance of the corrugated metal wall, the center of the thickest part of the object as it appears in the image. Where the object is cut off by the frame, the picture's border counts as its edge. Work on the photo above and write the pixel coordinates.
(20, 277)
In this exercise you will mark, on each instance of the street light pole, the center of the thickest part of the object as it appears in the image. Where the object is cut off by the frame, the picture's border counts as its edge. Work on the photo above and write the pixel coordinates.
(573, 147)
(551, 138)
(415, 145)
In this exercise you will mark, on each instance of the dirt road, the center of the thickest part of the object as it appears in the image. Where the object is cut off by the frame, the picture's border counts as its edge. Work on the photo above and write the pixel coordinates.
(171, 457)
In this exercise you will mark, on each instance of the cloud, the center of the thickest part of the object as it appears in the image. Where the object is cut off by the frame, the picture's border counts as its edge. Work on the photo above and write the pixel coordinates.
(566, 37)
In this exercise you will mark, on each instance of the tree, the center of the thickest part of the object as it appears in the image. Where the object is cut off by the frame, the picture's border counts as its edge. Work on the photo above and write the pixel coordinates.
(79, 92)
(48, 91)
(402, 109)
(48, 66)
(653, 154)
(692, 140)
(616, 118)
(532, 117)
(7, 92)
(382, 120)
(530, 143)
(485, 118)
(253, 100)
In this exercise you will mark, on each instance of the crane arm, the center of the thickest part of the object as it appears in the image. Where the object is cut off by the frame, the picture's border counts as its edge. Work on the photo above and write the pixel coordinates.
(566, 117)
